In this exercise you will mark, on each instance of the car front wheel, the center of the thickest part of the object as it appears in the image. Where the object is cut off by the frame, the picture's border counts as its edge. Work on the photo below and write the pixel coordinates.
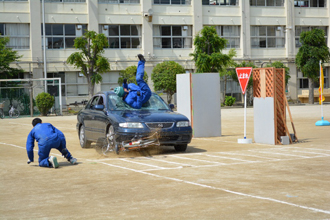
(84, 143)
(112, 139)
(180, 147)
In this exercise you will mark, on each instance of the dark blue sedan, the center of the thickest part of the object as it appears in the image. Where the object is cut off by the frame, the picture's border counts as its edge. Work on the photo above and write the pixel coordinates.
(107, 114)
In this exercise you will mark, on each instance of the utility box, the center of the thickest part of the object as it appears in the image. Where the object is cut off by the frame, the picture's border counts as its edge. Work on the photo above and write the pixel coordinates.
(269, 104)
(198, 98)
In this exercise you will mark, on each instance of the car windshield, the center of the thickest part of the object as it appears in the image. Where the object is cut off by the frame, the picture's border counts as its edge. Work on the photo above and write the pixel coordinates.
(154, 103)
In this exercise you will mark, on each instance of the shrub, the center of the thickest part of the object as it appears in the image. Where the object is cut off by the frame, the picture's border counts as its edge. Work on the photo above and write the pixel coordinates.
(130, 74)
(229, 100)
(44, 102)
(164, 77)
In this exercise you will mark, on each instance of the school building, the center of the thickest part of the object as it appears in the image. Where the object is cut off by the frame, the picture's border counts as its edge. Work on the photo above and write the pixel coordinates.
(261, 31)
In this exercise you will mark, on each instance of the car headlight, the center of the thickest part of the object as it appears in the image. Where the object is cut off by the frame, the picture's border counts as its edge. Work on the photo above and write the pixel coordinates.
(182, 124)
(131, 125)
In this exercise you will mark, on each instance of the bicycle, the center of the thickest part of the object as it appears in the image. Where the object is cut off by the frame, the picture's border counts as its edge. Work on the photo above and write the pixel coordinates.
(2, 114)
(53, 111)
(13, 112)
(136, 143)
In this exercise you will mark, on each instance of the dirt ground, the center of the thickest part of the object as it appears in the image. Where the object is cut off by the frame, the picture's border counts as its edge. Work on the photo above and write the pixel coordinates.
(216, 178)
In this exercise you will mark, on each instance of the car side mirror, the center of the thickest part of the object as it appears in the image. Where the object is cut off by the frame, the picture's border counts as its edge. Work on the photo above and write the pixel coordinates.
(171, 106)
(99, 107)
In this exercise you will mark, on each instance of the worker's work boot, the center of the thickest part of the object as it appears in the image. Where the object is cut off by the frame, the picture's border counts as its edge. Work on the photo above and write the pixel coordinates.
(141, 57)
(53, 161)
(73, 160)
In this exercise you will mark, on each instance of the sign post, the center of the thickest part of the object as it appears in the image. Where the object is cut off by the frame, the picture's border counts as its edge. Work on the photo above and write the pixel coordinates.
(321, 99)
(243, 75)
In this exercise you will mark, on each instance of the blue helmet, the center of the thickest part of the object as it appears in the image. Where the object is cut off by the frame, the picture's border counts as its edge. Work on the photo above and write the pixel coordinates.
(119, 91)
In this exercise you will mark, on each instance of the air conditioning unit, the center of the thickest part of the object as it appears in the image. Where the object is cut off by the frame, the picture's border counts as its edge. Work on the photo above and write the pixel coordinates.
(79, 26)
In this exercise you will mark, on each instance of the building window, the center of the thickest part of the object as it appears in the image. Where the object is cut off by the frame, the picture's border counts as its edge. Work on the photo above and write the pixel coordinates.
(69, 1)
(220, 2)
(19, 35)
(62, 36)
(75, 84)
(303, 81)
(267, 2)
(232, 89)
(231, 34)
(53, 85)
(122, 36)
(310, 3)
(120, 1)
(267, 36)
(172, 36)
(300, 29)
(109, 81)
(172, 2)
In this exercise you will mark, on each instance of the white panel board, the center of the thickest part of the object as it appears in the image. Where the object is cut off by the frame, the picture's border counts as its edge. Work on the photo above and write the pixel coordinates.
(206, 105)
(183, 94)
(264, 124)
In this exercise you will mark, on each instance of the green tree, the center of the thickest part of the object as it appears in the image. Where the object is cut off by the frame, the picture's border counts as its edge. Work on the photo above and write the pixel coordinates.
(164, 77)
(227, 71)
(90, 60)
(7, 56)
(207, 54)
(313, 50)
(130, 74)
(279, 64)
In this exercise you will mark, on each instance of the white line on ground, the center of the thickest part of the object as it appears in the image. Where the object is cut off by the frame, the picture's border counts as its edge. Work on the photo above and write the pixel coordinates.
(31, 126)
(229, 158)
(171, 162)
(271, 152)
(169, 168)
(144, 164)
(185, 158)
(13, 145)
(198, 184)
(205, 139)
(247, 155)
(309, 149)
(307, 152)
(216, 188)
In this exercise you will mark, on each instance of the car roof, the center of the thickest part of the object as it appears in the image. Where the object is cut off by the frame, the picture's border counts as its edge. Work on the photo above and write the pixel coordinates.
(111, 92)
(105, 92)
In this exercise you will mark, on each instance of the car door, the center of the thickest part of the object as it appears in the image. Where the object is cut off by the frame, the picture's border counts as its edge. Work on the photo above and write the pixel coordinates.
(89, 118)
(100, 119)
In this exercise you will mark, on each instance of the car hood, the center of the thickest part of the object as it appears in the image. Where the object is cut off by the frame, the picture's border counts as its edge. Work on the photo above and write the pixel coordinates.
(148, 116)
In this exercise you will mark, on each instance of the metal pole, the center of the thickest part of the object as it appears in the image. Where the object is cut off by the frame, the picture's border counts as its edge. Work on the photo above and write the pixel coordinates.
(244, 115)
(44, 42)
(321, 86)
(60, 93)
(31, 101)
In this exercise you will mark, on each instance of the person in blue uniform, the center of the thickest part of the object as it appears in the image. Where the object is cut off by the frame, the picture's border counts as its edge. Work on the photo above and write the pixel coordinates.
(135, 95)
(48, 137)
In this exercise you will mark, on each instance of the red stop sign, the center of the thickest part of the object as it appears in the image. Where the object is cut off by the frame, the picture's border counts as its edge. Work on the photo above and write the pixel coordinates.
(243, 75)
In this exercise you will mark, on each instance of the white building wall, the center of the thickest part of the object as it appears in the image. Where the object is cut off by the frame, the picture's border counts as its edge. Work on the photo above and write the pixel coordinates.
(196, 15)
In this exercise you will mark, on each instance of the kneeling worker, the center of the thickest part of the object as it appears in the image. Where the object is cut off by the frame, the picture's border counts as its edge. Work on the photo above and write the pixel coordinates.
(48, 137)
(135, 95)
